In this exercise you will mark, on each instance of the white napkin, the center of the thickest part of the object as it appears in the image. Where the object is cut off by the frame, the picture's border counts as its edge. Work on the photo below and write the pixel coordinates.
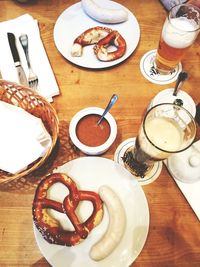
(192, 194)
(23, 138)
(25, 24)
(191, 191)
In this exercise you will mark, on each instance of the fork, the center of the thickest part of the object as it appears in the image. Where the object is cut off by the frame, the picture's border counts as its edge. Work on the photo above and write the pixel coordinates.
(32, 78)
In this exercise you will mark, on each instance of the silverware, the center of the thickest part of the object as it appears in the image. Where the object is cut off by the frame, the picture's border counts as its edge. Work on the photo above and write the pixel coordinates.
(32, 78)
(181, 78)
(109, 106)
(16, 58)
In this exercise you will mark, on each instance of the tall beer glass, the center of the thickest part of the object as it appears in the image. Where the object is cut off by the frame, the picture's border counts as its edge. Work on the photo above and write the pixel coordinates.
(166, 129)
(179, 32)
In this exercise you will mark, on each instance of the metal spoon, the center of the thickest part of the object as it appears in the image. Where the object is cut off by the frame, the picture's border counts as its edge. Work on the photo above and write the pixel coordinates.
(181, 78)
(109, 106)
(178, 102)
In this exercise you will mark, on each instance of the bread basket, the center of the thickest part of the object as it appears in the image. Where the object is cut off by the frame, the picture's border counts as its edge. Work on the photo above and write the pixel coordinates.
(36, 105)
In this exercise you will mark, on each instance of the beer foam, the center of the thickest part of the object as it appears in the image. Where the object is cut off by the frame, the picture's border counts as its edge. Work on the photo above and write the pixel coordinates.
(179, 32)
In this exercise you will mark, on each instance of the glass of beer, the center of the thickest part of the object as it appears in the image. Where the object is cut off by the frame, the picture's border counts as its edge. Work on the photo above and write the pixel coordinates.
(179, 32)
(166, 129)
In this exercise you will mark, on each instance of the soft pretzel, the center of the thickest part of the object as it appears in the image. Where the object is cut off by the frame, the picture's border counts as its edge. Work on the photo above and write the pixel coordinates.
(49, 227)
(88, 37)
(113, 38)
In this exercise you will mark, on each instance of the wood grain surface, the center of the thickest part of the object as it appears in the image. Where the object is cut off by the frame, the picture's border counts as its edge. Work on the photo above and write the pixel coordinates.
(174, 232)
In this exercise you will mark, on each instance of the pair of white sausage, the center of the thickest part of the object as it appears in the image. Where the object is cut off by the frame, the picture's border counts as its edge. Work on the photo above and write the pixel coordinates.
(116, 227)
(105, 15)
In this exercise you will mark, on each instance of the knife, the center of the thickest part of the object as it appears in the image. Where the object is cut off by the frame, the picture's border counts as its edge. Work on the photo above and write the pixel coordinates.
(15, 55)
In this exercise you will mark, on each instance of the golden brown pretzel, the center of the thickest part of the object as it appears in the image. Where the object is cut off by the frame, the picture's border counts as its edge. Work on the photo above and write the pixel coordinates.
(49, 227)
(88, 37)
(92, 35)
(113, 38)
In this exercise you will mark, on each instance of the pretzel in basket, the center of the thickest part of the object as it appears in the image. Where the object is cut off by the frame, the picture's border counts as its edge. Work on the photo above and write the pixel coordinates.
(49, 227)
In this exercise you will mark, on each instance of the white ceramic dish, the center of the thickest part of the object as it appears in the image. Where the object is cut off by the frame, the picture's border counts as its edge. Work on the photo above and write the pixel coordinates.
(73, 21)
(185, 166)
(166, 96)
(87, 149)
(90, 173)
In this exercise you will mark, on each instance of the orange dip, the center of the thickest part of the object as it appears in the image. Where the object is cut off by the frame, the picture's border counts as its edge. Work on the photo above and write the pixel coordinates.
(91, 134)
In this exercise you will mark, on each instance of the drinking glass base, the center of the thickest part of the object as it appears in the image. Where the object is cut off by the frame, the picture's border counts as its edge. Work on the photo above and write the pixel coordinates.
(147, 68)
(151, 175)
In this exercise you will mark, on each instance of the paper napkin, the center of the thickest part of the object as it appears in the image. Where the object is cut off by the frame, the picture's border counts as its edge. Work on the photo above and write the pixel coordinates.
(23, 138)
(192, 194)
(191, 191)
(26, 24)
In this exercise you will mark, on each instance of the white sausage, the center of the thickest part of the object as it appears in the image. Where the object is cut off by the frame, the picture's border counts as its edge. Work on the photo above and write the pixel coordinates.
(105, 15)
(116, 226)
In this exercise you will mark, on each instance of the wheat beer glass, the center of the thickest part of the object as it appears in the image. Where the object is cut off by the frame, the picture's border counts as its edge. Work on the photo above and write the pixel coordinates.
(166, 129)
(179, 32)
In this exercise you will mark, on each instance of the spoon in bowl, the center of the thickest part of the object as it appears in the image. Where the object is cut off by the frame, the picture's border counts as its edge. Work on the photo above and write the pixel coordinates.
(109, 106)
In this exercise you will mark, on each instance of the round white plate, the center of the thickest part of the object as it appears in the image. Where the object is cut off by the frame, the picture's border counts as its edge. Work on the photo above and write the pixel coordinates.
(90, 173)
(73, 21)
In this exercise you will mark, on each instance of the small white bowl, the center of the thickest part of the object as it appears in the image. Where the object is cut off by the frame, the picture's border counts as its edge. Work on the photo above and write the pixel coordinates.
(89, 150)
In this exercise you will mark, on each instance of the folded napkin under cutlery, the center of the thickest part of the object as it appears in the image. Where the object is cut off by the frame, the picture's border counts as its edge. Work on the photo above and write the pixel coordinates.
(26, 24)
(23, 138)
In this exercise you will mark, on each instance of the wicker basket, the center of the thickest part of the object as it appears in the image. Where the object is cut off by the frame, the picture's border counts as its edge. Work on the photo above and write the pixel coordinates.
(36, 105)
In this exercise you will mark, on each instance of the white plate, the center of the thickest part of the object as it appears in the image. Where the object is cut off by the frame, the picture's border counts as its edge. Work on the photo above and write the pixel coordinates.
(90, 173)
(73, 21)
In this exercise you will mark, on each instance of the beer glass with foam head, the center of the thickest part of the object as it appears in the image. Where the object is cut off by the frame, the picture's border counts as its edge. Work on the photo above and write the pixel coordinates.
(166, 129)
(179, 32)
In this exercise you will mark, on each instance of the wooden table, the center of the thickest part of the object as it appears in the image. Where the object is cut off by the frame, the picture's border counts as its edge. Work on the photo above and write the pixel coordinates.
(174, 232)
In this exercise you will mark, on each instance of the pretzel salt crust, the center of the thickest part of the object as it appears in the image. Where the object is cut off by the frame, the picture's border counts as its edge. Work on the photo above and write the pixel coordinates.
(49, 227)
